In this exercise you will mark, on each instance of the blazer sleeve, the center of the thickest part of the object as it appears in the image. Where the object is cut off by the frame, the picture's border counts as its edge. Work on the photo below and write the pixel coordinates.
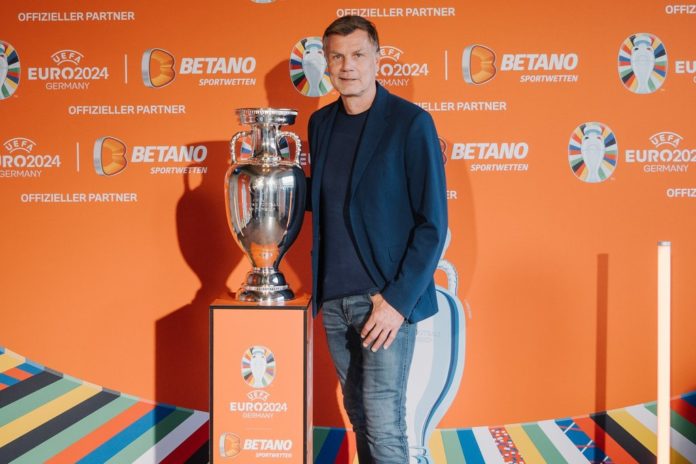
(427, 194)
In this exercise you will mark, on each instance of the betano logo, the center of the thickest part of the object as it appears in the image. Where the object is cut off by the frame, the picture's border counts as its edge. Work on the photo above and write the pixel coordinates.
(159, 68)
(642, 63)
(392, 72)
(110, 157)
(492, 156)
(264, 444)
(479, 65)
(443, 149)
(9, 70)
(230, 445)
(592, 152)
(308, 68)
(67, 72)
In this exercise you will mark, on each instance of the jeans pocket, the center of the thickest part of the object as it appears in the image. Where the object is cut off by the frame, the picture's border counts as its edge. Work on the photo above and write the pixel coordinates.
(360, 308)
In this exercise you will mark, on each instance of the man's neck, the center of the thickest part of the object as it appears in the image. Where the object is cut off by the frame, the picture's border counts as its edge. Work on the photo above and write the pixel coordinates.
(359, 103)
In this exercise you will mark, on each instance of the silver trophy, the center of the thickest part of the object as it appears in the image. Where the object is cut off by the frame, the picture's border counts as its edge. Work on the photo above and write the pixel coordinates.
(265, 198)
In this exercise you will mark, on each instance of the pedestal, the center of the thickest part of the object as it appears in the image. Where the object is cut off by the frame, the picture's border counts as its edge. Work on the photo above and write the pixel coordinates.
(260, 368)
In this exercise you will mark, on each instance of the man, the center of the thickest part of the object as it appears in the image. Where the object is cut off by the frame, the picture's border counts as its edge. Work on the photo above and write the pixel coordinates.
(379, 224)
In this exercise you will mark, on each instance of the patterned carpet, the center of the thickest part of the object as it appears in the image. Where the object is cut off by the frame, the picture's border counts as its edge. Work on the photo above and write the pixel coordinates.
(47, 416)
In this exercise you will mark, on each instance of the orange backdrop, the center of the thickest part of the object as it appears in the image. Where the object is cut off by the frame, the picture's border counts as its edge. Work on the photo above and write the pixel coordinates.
(109, 277)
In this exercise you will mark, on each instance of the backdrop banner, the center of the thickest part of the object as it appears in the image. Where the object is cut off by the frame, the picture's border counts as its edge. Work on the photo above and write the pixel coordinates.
(569, 143)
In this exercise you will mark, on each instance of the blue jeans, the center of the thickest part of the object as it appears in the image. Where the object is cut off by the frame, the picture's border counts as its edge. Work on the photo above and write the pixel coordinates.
(373, 384)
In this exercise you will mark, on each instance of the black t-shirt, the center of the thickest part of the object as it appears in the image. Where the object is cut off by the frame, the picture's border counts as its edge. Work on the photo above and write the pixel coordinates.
(342, 271)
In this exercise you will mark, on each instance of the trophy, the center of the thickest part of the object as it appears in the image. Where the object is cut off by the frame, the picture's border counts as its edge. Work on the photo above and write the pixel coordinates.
(265, 199)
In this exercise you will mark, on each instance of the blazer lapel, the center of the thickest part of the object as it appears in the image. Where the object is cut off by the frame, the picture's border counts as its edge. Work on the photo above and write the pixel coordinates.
(375, 127)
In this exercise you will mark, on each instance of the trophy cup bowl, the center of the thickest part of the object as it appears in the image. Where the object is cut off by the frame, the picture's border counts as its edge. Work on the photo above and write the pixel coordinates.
(265, 199)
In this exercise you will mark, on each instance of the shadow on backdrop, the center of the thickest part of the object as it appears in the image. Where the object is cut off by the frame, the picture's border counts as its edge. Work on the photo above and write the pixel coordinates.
(209, 250)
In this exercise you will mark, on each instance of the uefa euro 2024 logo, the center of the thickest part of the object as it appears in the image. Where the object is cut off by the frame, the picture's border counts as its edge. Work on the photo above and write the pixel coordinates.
(9, 70)
(258, 366)
(592, 152)
(308, 69)
(642, 63)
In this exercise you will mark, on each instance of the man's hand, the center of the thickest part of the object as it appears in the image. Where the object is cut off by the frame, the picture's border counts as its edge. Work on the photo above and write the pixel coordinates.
(382, 325)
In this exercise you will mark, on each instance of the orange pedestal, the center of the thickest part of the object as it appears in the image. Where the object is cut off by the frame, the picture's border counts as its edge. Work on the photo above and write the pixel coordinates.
(260, 367)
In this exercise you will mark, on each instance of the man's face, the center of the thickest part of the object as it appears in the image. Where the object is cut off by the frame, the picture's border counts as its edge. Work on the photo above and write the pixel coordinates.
(352, 62)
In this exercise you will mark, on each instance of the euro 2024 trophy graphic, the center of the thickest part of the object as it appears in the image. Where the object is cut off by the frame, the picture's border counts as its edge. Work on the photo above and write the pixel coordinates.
(3, 65)
(437, 366)
(265, 198)
(593, 151)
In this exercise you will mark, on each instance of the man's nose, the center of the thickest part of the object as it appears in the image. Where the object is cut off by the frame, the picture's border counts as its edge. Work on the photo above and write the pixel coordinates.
(347, 64)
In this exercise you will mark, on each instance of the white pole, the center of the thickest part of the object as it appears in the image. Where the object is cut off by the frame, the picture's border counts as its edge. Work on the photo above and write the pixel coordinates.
(663, 350)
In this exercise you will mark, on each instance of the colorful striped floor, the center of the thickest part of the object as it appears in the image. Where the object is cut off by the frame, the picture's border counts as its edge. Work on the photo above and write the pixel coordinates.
(46, 416)
(624, 435)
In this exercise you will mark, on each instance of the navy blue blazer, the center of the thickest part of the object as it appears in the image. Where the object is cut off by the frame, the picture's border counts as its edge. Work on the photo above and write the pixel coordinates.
(397, 207)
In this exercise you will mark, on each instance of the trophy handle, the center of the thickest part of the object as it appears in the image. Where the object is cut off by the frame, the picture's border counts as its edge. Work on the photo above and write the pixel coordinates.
(298, 144)
(233, 144)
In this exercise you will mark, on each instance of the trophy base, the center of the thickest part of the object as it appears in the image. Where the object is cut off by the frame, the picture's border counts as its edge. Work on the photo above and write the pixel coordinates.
(264, 296)
(265, 286)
